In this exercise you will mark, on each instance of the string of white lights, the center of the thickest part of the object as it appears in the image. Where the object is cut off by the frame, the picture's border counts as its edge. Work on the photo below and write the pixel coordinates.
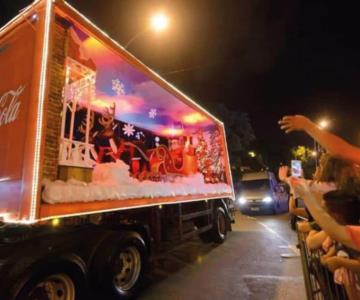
(39, 120)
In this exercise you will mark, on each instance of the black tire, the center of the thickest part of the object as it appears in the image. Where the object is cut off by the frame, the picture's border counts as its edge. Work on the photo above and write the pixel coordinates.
(119, 267)
(65, 280)
(219, 230)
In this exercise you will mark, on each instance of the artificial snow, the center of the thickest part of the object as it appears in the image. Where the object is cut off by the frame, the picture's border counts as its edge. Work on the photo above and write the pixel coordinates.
(111, 181)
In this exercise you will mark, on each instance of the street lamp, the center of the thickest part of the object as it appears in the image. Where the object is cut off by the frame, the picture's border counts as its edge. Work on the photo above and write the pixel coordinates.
(252, 154)
(158, 22)
(323, 124)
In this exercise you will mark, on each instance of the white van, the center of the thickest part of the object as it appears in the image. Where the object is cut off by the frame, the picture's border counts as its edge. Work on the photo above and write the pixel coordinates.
(260, 192)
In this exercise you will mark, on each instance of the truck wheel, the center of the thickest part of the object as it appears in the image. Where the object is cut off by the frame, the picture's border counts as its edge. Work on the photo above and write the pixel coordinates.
(220, 225)
(219, 231)
(53, 284)
(122, 268)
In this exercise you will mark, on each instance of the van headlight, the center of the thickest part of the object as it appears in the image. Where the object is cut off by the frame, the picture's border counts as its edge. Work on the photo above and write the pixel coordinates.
(267, 199)
(242, 200)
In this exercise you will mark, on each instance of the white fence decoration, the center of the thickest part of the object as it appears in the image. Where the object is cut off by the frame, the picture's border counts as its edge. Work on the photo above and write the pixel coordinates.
(79, 90)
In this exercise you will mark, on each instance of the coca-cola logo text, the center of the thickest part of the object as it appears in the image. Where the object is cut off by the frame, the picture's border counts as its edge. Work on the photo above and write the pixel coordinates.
(10, 105)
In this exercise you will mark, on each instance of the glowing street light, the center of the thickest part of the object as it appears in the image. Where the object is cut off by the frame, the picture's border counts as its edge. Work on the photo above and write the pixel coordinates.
(324, 124)
(252, 154)
(158, 23)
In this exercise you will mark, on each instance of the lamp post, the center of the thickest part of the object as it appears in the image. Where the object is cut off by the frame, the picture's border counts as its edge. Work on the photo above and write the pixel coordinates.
(158, 23)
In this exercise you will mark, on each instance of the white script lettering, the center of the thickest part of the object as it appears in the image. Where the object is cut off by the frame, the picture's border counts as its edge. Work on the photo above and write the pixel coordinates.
(10, 105)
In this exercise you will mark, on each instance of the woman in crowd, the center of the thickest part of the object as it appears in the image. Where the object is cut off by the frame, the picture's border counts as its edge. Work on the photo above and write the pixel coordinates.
(332, 173)
(337, 147)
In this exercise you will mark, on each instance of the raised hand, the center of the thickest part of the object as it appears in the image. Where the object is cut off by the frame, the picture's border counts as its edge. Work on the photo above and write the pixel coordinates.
(300, 186)
(294, 123)
(283, 171)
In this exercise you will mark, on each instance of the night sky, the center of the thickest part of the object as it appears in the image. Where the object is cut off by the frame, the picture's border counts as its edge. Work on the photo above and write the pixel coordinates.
(267, 58)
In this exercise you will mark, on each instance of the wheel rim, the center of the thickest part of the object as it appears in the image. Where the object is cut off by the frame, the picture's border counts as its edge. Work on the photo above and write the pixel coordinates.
(221, 224)
(127, 269)
(54, 287)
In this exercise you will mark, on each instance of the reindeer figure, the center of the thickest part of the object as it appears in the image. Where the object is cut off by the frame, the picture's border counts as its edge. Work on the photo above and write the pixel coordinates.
(107, 121)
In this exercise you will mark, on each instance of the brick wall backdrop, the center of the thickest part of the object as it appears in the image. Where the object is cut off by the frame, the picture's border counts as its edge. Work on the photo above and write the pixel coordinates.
(54, 105)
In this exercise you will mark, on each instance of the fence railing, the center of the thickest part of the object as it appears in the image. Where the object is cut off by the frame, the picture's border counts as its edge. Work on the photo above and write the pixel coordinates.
(319, 280)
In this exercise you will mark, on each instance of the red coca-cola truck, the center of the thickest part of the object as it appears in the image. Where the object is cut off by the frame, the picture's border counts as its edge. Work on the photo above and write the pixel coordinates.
(102, 160)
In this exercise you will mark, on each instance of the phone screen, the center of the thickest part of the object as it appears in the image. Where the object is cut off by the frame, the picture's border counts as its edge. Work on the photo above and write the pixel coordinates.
(296, 168)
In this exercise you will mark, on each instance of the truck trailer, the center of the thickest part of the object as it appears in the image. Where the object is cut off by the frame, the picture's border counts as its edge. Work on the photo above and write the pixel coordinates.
(103, 163)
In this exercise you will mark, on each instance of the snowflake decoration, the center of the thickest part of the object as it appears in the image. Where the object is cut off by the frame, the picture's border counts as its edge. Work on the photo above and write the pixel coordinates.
(118, 87)
(152, 113)
(139, 134)
(128, 129)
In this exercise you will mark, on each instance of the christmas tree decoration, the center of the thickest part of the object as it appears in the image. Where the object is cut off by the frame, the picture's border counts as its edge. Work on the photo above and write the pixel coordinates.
(215, 155)
(201, 153)
(118, 87)
(153, 113)
(128, 130)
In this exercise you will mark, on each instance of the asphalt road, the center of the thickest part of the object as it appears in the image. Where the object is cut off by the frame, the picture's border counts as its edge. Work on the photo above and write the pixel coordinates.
(248, 265)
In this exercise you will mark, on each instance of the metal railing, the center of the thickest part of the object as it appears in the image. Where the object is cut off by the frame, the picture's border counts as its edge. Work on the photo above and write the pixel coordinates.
(319, 280)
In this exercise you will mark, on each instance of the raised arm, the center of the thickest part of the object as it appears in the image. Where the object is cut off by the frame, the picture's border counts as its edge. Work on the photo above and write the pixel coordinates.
(332, 143)
(327, 223)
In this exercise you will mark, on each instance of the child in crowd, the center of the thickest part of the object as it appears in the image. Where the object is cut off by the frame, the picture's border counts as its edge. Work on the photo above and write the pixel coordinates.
(341, 260)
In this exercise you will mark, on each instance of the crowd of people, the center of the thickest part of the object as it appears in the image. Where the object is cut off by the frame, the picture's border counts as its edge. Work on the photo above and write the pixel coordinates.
(332, 203)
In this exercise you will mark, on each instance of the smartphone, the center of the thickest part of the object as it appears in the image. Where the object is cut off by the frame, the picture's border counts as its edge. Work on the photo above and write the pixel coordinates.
(296, 170)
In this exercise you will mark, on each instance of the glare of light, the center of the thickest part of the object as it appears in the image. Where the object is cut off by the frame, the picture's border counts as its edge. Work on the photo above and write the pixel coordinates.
(194, 118)
(242, 200)
(324, 124)
(55, 222)
(173, 131)
(313, 153)
(267, 199)
(252, 153)
(159, 22)
(160, 206)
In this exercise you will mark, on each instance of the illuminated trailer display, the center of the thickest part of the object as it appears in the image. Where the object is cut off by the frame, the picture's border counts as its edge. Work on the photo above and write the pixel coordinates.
(88, 128)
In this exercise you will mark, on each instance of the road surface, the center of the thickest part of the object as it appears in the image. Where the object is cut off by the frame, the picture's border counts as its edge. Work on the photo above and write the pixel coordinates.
(249, 265)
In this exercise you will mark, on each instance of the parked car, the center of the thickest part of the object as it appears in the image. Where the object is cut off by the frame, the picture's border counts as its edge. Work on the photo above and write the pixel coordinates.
(261, 192)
